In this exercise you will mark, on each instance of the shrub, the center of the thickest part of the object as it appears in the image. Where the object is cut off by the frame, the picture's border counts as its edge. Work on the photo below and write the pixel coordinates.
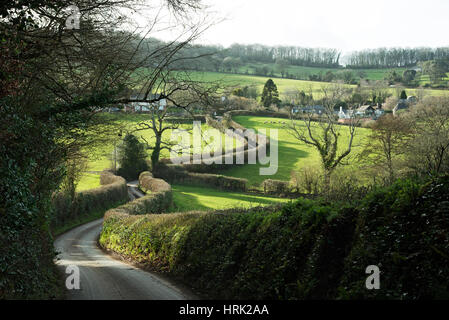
(131, 157)
(225, 253)
(404, 230)
(306, 250)
(149, 184)
(345, 185)
(271, 186)
(307, 180)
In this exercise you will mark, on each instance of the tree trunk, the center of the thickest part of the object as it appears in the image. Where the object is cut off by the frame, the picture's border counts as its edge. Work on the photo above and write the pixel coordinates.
(327, 179)
(156, 152)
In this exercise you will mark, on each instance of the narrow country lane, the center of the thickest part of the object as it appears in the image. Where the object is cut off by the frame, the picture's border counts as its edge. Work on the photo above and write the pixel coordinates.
(105, 278)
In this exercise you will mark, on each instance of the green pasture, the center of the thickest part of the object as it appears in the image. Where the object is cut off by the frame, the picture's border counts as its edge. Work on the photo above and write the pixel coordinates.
(286, 86)
(188, 198)
(102, 157)
(88, 181)
(303, 72)
(292, 154)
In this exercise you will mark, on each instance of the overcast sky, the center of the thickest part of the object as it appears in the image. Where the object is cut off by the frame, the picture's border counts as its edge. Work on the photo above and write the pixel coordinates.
(344, 24)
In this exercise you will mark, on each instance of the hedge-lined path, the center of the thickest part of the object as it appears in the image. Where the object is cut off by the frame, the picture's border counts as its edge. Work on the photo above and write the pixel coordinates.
(105, 278)
(134, 191)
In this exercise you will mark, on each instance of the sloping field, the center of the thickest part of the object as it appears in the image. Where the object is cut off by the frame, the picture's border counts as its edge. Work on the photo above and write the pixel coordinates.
(188, 198)
(293, 154)
(289, 85)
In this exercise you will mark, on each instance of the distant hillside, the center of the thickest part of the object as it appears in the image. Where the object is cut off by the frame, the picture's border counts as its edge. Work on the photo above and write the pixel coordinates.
(424, 66)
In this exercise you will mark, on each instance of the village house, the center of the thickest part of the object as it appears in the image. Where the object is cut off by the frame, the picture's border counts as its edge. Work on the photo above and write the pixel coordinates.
(145, 106)
(365, 111)
(344, 114)
(313, 109)
(379, 111)
(404, 104)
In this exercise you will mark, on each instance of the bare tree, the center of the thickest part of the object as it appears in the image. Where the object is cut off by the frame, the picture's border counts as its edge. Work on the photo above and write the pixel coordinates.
(107, 58)
(54, 80)
(183, 96)
(323, 132)
(384, 146)
(428, 150)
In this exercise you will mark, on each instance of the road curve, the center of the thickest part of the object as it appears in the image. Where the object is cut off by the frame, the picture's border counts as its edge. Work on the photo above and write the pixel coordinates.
(105, 278)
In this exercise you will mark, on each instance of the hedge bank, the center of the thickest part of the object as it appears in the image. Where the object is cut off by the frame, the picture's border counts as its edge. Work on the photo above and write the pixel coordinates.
(112, 193)
(176, 174)
(219, 162)
(306, 250)
(158, 199)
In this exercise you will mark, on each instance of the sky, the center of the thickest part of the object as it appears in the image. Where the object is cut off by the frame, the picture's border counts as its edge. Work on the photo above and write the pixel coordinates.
(347, 25)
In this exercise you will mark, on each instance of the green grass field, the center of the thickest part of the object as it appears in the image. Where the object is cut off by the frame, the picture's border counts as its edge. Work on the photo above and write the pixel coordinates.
(188, 198)
(304, 72)
(292, 154)
(88, 181)
(101, 157)
(286, 86)
(425, 79)
(294, 157)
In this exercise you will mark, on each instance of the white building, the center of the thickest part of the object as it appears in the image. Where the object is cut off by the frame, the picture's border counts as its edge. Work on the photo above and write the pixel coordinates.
(343, 115)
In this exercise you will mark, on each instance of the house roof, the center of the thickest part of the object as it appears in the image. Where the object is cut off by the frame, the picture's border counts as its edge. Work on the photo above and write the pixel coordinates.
(365, 108)
(400, 106)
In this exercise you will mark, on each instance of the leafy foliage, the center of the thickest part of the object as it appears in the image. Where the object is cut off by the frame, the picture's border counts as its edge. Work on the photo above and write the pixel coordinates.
(26, 249)
(270, 94)
(310, 249)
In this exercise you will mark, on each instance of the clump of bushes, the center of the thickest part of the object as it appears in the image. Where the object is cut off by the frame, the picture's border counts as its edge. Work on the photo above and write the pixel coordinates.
(277, 187)
(345, 184)
(311, 249)
(404, 230)
(260, 113)
(307, 180)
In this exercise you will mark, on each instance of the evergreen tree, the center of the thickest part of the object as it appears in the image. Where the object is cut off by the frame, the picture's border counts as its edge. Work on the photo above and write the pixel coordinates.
(132, 158)
(270, 94)
(403, 95)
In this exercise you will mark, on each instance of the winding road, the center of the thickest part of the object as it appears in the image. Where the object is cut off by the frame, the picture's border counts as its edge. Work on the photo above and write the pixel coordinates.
(105, 278)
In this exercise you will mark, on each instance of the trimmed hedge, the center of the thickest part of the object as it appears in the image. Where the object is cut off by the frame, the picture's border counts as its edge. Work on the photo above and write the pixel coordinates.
(113, 191)
(259, 113)
(405, 231)
(306, 250)
(158, 199)
(242, 151)
(149, 184)
(179, 175)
